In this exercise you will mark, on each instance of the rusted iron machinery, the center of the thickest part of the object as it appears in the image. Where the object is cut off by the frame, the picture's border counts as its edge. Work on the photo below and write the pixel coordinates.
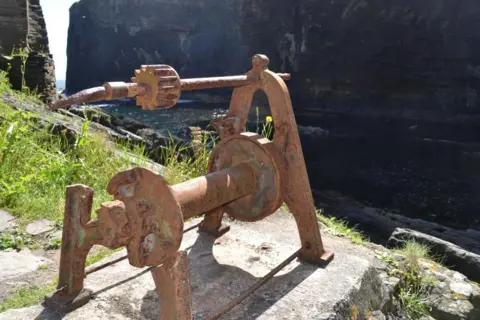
(249, 178)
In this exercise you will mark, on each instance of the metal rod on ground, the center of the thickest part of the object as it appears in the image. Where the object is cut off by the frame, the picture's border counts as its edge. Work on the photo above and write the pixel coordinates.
(255, 287)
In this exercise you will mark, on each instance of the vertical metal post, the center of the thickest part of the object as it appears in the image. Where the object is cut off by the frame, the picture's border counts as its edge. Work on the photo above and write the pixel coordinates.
(172, 282)
(70, 293)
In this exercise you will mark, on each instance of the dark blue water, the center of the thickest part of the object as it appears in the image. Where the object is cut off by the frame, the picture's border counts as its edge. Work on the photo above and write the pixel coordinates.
(176, 120)
(60, 85)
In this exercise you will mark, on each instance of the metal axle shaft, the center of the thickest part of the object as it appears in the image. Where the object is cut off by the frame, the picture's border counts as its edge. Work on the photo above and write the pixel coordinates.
(200, 195)
(121, 90)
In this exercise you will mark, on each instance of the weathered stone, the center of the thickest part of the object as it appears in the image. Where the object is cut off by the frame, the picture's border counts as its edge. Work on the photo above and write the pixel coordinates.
(40, 227)
(220, 269)
(461, 260)
(452, 296)
(377, 315)
(7, 222)
(476, 297)
(14, 264)
(57, 235)
(40, 75)
(450, 309)
(380, 224)
(461, 289)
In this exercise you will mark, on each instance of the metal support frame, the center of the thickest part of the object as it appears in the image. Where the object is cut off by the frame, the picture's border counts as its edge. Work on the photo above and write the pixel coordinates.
(249, 178)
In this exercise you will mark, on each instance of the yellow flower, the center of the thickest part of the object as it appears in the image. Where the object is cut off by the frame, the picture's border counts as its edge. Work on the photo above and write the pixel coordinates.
(269, 119)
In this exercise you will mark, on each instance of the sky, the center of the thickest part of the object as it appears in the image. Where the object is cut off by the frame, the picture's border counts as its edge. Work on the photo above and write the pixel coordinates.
(57, 18)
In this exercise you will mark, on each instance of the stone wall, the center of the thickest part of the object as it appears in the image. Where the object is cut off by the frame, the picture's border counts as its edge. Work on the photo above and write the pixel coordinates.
(393, 83)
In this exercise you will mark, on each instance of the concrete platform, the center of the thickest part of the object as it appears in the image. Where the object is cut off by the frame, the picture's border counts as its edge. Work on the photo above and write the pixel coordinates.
(221, 269)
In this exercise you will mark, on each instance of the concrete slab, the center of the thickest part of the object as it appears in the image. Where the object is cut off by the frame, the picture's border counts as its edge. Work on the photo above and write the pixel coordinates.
(7, 221)
(40, 227)
(14, 264)
(221, 269)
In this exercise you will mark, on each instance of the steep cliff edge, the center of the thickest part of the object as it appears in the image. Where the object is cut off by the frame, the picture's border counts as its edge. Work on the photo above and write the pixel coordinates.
(393, 83)
(23, 26)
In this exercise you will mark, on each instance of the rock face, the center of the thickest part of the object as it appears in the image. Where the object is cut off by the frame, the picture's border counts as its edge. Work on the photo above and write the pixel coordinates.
(392, 82)
(23, 26)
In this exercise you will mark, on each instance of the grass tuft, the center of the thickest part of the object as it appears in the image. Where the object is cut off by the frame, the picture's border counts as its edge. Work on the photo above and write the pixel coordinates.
(413, 289)
(414, 251)
(341, 228)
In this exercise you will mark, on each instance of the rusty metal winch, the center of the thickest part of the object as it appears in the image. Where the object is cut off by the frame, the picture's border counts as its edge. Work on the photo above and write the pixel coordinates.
(249, 178)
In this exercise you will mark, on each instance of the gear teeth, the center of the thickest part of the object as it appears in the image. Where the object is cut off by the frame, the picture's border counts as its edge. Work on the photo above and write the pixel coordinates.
(164, 86)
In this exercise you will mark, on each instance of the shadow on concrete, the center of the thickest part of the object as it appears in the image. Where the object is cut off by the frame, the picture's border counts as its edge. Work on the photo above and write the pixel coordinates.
(48, 314)
(214, 285)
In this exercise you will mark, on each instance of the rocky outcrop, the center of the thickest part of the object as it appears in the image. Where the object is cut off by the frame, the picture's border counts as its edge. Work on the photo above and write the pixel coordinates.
(23, 28)
(451, 255)
(445, 294)
(379, 224)
(394, 83)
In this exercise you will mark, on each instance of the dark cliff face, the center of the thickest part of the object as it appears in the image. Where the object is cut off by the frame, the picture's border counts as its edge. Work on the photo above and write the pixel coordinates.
(109, 40)
(393, 82)
(23, 26)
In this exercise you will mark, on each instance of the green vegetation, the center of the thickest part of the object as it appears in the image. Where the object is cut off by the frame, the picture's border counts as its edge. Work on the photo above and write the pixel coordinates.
(99, 255)
(179, 167)
(42, 267)
(414, 286)
(36, 165)
(54, 244)
(10, 241)
(28, 295)
(341, 228)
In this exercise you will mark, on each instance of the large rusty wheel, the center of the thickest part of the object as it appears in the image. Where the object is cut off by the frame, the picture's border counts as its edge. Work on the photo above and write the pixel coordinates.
(154, 215)
(261, 152)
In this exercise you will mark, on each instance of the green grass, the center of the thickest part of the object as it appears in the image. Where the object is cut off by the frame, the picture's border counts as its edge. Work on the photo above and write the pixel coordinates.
(42, 267)
(28, 295)
(413, 289)
(100, 255)
(414, 251)
(341, 228)
(10, 241)
(413, 304)
(36, 166)
(181, 168)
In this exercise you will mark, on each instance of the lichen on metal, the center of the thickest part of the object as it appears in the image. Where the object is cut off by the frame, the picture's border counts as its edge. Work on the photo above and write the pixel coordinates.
(249, 178)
